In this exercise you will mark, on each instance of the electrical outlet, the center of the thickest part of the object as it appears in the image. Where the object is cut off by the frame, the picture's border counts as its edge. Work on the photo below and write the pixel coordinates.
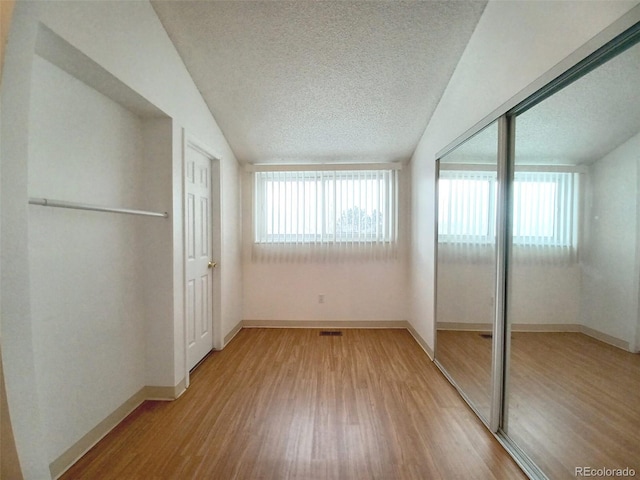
(321, 298)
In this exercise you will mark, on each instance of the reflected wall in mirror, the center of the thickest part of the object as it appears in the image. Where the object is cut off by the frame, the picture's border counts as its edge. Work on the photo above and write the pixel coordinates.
(466, 265)
(574, 379)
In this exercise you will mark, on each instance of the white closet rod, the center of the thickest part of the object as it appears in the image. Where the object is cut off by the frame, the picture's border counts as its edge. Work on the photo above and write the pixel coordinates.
(45, 202)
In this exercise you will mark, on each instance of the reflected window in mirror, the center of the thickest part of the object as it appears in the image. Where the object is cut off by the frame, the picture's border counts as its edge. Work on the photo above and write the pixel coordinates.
(466, 266)
(573, 311)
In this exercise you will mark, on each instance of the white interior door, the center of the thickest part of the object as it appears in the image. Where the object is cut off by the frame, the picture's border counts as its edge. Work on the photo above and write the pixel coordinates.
(198, 268)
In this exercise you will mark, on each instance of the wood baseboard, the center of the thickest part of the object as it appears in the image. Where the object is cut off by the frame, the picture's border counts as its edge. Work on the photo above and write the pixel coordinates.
(91, 438)
(546, 327)
(418, 338)
(395, 324)
(465, 327)
(82, 446)
(234, 331)
(324, 324)
(164, 393)
(368, 324)
(540, 327)
(603, 337)
(518, 327)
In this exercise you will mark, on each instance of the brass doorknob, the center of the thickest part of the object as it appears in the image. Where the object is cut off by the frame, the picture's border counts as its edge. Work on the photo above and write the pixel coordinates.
(213, 264)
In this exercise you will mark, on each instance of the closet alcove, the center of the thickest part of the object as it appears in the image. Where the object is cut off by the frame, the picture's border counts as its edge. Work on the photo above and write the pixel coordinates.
(101, 284)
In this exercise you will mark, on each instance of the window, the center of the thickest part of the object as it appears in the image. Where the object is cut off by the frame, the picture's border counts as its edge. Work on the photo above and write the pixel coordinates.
(326, 208)
(544, 208)
(466, 209)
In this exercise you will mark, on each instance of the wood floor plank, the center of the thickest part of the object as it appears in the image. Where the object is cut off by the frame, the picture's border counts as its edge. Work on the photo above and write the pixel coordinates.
(573, 401)
(291, 404)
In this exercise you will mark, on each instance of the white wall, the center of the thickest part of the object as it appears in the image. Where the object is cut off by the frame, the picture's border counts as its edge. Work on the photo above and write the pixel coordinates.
(127, 40)
(465, 293)
(155, 246)
(230, 264)
(540, 295)
(354, 290)
(513, 45)
(545, 295)
(609, 263)
(87, 313)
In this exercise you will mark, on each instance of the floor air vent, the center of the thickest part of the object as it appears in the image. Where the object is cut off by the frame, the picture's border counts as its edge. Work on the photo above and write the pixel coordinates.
(330, 333)
(486, 335)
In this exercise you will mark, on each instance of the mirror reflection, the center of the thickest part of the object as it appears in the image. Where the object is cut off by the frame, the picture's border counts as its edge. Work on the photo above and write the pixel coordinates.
(573, 311)
(466, 265)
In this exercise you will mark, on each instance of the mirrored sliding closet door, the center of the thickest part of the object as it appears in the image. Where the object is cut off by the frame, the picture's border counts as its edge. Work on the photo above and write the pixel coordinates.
(574, 382)
(466, 267)
(538, 316)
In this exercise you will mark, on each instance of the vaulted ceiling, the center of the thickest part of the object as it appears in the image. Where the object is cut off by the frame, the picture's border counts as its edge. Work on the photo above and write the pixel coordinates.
(588, 119)
(578, 125)
(321, 82)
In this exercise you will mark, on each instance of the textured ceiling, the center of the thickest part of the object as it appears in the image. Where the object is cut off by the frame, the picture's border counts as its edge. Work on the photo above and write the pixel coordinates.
(308, 81)
(586, 120)
(578, 125)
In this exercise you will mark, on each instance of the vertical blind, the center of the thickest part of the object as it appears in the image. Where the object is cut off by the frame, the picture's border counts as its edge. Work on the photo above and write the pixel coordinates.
(325, 214)
(466, 207)
(544, 215)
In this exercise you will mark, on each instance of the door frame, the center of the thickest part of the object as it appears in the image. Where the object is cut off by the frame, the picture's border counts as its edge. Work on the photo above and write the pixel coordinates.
(188, 141)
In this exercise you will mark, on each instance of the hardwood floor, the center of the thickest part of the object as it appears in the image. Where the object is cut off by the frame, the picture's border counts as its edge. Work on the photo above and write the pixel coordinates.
(573, 401)
(467, 358)
(291, 404)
